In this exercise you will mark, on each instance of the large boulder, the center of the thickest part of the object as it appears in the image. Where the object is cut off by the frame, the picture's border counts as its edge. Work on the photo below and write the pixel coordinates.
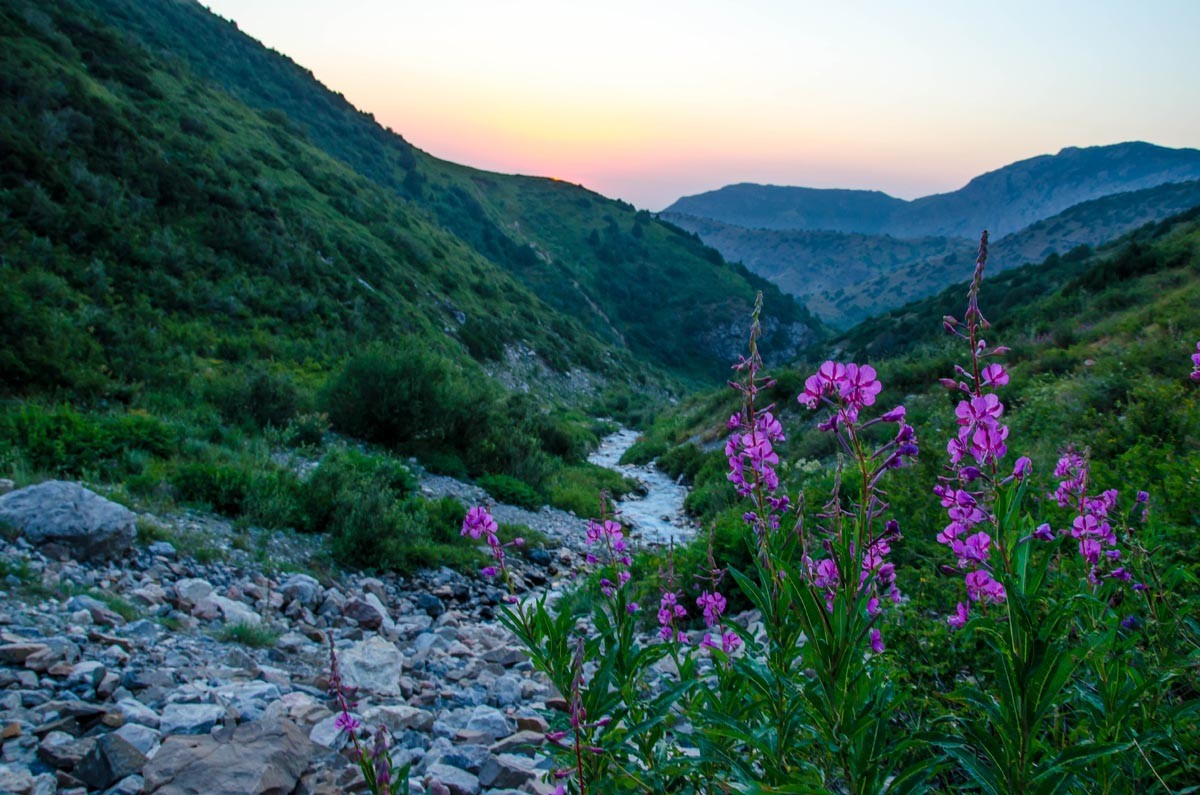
(261, 758)
(67, 514)
(372, 666)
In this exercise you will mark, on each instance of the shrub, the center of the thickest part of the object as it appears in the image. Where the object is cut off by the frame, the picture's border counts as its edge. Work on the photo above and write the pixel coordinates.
(256, 398)
(395, 396)
(220, 486)
(510, 490)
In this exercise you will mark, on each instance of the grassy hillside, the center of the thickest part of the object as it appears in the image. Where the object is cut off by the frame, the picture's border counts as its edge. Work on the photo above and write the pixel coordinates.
(630, 279)
(192, 292)
(1087, 224)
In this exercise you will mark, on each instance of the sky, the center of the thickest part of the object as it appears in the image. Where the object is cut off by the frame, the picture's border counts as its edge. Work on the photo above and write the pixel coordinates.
(649, 101)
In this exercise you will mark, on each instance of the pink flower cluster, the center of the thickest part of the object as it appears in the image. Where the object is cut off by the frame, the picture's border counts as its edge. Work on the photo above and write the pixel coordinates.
(849, 387)
(713, 605)
(876, 574)
(480, 524)
(1196, 363)
(1091, 527)
(982, 438)
(752, 445)
(609, 534)
(670, 613)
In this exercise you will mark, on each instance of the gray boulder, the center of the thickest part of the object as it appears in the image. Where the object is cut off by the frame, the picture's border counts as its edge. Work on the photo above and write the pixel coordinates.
(373, 666)
(67, 514)
(261, 758)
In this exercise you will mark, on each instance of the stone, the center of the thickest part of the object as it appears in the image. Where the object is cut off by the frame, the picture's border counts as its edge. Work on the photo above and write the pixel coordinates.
(433, 606)
(140, 737)
(137, 712)
(190, 718)
(111, 759)
(507, 771)
(68, 515)
(524, 741)
(373, 665)
(490, 722)
(261, 758)
(191, 590)
(456, 781)
(100, 613)
(248, 699)
(62, 751)
(303, 589)
(87, 674)
(326, 732)
(234, 612)
(162, 548)
(15, 778)
(18, 653)
(506, 690)
(363, 613)
(398, 718)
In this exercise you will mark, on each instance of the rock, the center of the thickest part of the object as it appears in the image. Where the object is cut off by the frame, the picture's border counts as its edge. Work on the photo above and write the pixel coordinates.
(111, 759)
(457, 782)
(430, 604)
(261, 758)
(398, 718)
(15, 778)
(192, 591)
(18, 653)
(62, 751)
(6, 485)
(506, 690)
(507, 771)
(329, 734)
(140, 737)
(190, 718)
(373, 665)
(88, 674)
(67, 514)
(137, 712)
(489, 722)
(99, 612)
(523, 741)
(163, 548)
(363, 613)
(231, 611)
(248, 699)
(303, 589)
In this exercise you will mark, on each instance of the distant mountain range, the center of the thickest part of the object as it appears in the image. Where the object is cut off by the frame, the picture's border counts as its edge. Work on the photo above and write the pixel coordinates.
(851, 254)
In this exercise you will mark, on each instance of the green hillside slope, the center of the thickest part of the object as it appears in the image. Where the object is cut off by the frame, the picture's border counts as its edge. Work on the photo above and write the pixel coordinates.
(627, 277)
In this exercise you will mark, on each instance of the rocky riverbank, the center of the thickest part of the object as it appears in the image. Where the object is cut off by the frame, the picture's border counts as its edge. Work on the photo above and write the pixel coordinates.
(127, 669)
(204, 668)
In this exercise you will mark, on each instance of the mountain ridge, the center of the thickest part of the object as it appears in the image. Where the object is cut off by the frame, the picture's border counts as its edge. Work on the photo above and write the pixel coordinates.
(1003, 200)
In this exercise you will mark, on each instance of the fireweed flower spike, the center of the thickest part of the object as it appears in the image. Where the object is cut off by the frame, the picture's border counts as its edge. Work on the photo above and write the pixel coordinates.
(1196, 363)
(968, 489)
(848, 389)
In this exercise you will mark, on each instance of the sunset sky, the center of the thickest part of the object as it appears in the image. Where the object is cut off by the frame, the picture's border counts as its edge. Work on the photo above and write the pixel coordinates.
(649, 101)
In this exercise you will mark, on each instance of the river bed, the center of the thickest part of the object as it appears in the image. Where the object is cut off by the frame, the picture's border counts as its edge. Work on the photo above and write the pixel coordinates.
(658, 518)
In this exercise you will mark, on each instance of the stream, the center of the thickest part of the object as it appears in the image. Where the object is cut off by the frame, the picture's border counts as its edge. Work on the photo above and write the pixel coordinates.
(657, 519)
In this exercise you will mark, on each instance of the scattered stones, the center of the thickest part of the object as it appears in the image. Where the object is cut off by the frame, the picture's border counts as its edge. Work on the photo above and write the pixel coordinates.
(159, 704)
(63, 513)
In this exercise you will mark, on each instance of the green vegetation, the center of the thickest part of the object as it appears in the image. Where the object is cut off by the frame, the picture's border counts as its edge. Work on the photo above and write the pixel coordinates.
(1099, 358)
(256, 636)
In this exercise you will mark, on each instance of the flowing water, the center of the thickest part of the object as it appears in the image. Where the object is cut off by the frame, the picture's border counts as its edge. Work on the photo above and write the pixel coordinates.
(657, 518)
